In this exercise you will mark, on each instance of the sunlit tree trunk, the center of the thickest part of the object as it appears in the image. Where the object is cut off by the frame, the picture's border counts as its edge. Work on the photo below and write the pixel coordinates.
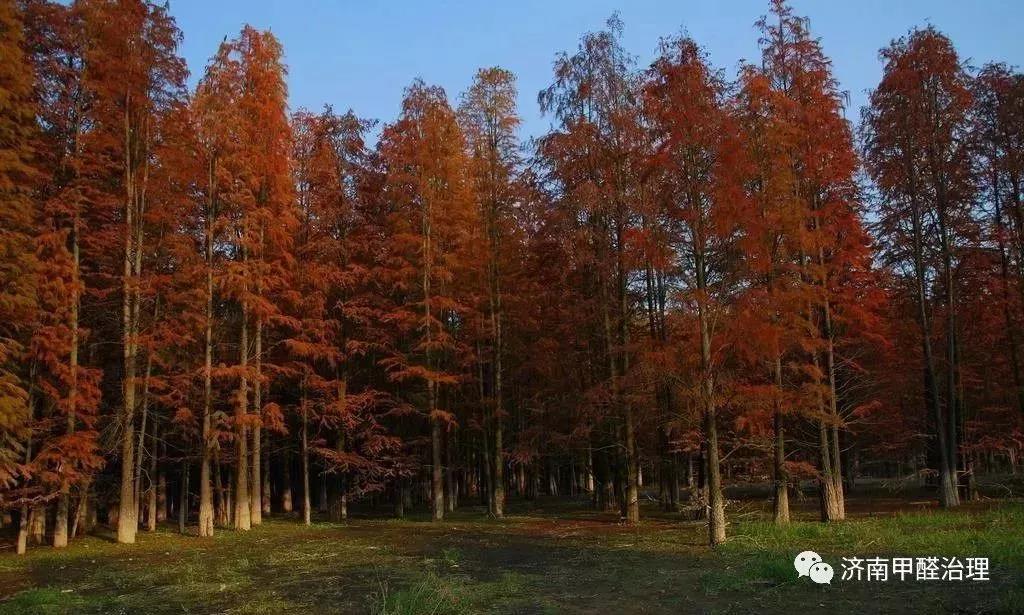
(716, 501)
(60, 530)
(127, 520)
(206, 515)
(241, 495)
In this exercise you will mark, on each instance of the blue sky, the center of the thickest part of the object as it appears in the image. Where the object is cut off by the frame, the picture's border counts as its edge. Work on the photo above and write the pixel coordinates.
(361, 55)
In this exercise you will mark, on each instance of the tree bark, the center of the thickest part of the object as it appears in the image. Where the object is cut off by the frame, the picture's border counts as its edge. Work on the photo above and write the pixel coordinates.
(151, 509)
(183, 498)
(716, 501)
(306, 504)
(948, 496)
(241, 495)
(256, 483)
(780, 501)
(206, 515)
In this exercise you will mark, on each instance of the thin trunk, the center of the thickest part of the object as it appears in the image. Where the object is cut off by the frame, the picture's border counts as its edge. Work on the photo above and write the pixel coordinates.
(151, 509)
(780, 503)
(449, 472)
(488, 465)
(183, 498)
(716, 502)
(632, 482)
(139, 448)
(60, 530)
(436, 473)
(241, 475)
(1004, 271)
(80, 522)
(256, 483)
(948, 496)
(306, 504)
(127, 521)
(206, 515)
(286, 482)
(23, 515)
(837, 511)
(952, 356)
(266, 477)
(498, 475)
(161, 490)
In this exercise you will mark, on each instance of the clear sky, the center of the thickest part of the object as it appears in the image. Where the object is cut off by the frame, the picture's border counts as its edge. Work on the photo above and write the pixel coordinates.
(362, 54)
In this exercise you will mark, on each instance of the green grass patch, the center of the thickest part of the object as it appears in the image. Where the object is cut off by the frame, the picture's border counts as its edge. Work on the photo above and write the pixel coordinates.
(548, 561)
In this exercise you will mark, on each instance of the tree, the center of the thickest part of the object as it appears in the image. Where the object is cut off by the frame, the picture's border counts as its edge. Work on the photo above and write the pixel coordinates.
(249, 186)
(64, 384)
(594, 97)
(17, 258)
(918, 152)
(699, 165)
(133, 77)
(772, 308)
(489, 120)
(999, 120)
(830, 243)
(431, 223)
(214, 116)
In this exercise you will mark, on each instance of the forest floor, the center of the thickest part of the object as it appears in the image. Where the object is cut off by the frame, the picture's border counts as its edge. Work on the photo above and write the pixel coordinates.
(547, 556)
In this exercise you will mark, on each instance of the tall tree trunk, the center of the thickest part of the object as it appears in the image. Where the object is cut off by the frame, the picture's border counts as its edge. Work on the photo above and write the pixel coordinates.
(632, 482)
(306, 504)
(1004, 275)
(497, 485)
(151, 509)
(241, 495)
(716, 501)
(836, 506)
(780, 501)
(21, 543)
(436, 472)
(256, 483)
(948, 496)
(266, 476)
(449, 472)
(161, 488)
(143, 425)
(60, 529)
(206, 515)
(127, 523)
(127, 520)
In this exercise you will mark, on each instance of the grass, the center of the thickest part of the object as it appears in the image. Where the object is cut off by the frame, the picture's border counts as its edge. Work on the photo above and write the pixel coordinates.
(551, 558)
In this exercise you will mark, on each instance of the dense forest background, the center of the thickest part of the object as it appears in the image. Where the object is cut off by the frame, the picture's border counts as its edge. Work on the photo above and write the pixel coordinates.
(213, 308)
